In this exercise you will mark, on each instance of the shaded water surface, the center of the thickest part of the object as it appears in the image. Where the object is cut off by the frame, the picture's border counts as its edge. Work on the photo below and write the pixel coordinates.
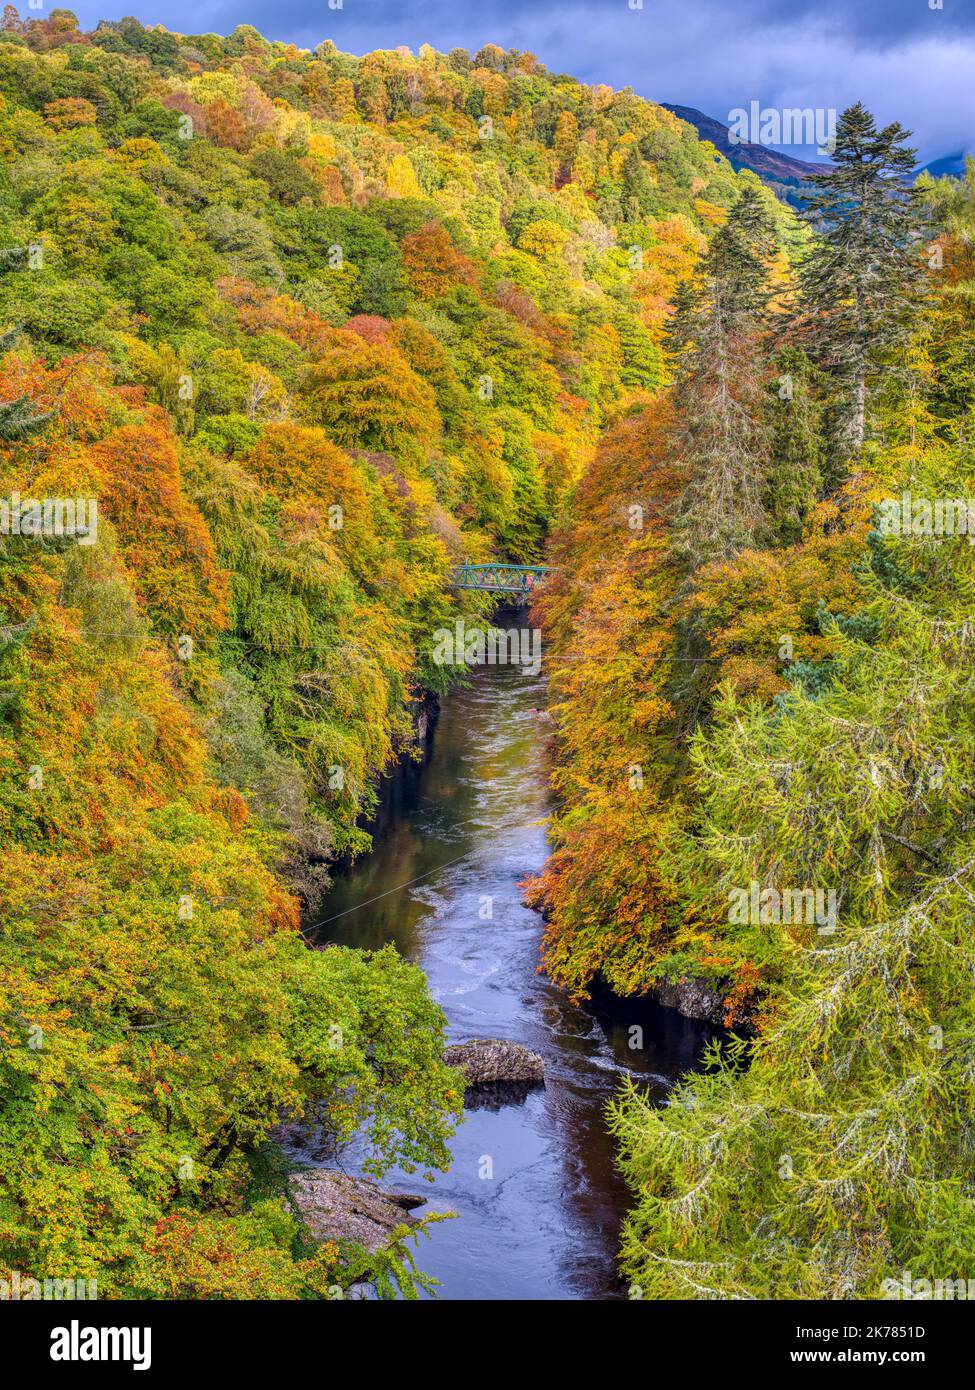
(464, 827)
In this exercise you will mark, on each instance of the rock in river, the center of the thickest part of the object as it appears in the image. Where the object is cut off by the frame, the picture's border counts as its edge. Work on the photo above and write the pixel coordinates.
(487, 1060)
(336, 1206)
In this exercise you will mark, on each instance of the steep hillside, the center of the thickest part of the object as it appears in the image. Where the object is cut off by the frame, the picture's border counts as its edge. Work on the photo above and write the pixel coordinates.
(419, 284)
(402, 292)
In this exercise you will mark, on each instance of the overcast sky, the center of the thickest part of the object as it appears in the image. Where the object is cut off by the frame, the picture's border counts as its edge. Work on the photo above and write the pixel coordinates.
(905, 60)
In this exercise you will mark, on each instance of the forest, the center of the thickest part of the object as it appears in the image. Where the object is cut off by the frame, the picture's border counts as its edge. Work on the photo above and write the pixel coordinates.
(300, 332)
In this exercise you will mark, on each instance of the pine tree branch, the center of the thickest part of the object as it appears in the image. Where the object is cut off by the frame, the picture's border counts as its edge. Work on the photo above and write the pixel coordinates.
(915, 849)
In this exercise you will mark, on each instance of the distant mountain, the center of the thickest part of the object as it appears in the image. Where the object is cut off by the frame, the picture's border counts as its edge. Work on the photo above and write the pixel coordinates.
(786, 175)
(789, 177)
(953, 164)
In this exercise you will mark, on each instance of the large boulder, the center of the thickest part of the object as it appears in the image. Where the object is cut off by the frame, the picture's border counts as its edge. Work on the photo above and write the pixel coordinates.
(336, 1206)
(485, 1061)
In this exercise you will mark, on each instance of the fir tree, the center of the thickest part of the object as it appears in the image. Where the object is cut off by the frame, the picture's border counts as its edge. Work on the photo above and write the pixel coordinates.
(859, 281)
(721, 437)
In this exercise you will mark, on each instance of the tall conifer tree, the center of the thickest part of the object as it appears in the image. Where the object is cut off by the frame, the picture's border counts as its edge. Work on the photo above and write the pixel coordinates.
(721, 439)
(859, 280)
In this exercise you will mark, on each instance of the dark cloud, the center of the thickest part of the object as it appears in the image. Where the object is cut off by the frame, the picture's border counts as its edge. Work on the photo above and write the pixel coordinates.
(906, 60)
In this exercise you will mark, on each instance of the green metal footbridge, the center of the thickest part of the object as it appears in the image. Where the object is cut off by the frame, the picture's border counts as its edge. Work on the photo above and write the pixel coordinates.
(518, 581)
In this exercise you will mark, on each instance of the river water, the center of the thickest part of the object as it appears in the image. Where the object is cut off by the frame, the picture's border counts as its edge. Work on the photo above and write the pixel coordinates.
(538, 1199)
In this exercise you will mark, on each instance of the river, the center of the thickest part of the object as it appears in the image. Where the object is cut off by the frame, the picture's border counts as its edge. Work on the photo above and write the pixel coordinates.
(456, 835)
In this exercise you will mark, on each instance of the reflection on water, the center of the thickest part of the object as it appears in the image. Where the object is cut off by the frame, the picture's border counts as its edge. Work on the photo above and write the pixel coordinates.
(461, 830)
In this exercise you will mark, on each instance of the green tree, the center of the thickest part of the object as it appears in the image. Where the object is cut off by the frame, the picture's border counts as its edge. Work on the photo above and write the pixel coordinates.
(794, 474)
(721, 438)
(859, 282)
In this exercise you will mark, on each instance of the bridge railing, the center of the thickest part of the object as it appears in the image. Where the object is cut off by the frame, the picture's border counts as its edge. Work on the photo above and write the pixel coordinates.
(521, 580)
